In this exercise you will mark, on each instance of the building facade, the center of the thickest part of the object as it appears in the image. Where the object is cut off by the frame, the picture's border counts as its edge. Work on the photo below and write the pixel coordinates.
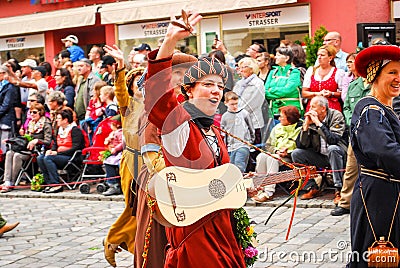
(36, 27)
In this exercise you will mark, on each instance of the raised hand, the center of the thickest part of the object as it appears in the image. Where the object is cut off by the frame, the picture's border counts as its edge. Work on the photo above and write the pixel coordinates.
(116, 53)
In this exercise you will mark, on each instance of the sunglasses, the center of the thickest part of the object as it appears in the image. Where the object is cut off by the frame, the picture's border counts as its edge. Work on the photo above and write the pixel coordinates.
(31, 100)
(34, 112)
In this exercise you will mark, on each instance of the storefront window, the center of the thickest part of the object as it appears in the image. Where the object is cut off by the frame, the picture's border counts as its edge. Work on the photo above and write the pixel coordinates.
(22, 47)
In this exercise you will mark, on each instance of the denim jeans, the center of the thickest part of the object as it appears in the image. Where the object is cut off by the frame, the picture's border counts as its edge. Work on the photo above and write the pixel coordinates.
(335, 160)
(49, 165)
(240, 157)
(111, 171)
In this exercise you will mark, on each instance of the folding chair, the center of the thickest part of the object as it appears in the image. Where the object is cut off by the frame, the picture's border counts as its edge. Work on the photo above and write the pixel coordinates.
(72, 170)
(28, 168)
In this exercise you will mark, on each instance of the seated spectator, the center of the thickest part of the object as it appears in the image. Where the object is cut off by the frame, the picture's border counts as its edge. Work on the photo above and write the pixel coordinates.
(238, 123)
(65, 85)
(95, 111)
(69, 139)
(115, 145)
(281, 143)
(33, 99)
(107, 96)
(322, 142)
(39, 128)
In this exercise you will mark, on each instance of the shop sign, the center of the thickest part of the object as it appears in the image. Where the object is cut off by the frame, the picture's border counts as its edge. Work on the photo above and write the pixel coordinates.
(21, 42)
(266, 18)
(143, 30)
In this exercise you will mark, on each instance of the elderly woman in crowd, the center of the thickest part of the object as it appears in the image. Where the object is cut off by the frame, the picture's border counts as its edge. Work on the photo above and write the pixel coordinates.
(374, 210)
(251, 90)
(283, 82)
(39, 128)
(69, 139)
(65, 85)
(324, 79)
(280, 143)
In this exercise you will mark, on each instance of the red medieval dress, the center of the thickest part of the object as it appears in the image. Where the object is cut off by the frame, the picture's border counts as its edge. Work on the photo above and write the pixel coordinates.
(210, 242)
(329, 84)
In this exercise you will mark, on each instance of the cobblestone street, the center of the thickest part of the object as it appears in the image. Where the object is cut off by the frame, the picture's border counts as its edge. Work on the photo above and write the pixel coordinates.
(69, 233)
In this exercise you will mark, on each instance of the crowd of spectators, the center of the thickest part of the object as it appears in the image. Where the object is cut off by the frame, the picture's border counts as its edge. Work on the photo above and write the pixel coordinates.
(271, 101)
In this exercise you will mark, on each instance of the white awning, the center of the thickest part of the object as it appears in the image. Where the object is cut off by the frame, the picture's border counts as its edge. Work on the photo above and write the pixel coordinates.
(123, 12)
(40, 22)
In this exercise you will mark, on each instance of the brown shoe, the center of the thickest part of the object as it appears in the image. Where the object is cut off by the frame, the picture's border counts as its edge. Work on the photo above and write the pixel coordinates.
(8, 227)
(337, 198)
(310, 194)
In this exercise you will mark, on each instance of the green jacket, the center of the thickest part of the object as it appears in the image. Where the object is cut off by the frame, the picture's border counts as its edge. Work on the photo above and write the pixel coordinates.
(356, 91)
(283, 137)
(283, 88)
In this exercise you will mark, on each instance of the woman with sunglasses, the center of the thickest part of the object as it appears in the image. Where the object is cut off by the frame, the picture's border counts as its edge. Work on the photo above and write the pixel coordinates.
(39, 129)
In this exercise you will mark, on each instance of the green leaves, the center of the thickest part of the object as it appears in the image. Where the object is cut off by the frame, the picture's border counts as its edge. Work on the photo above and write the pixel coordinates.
(313, 44)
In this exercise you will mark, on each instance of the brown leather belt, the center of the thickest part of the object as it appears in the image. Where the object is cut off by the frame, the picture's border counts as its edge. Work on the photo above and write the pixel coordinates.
(378, 173)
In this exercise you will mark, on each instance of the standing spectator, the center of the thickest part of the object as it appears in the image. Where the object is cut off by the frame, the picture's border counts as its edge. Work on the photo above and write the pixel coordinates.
(335, 39)
(325, 79)
(350, 75)
(37, 84)
(264, 64)
(143, 49)
(71, 43)
(65, 85)
(26, 72)
(238, 123)
(283, 83)
(4, 227)
(107, 96)
(7, 111)
(299, 60)
(115, 145)
(48, 77)
(109, 69)
(253, 50)
(56, 61)
(281, 144)
(69, 139)
(64, 57)
(95, 55)
(322, 142)
(250, 90)
(84, 87)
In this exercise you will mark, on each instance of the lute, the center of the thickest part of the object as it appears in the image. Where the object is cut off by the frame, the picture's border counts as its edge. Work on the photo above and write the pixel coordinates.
(186, 195)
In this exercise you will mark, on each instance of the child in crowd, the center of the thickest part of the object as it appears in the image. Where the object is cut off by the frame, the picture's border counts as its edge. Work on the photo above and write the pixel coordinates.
(107, 96)
(238, 123)
(115, 145)
(95, 110)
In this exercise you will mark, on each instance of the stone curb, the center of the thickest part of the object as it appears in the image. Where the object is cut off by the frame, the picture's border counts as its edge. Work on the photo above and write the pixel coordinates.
(321, 202)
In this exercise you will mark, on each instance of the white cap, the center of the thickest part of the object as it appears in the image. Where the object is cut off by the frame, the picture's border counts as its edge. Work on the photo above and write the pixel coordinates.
(71, 38)
(28, 62)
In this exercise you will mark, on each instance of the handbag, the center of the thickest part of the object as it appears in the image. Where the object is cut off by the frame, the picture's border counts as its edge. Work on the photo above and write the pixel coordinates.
(18, 144)
(382, 253)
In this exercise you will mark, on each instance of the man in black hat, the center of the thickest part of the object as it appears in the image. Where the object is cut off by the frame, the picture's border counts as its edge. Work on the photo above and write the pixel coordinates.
(143, 49)
(108, 69)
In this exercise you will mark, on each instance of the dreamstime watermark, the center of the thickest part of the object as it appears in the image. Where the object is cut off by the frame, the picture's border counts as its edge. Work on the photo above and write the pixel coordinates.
(340, 254)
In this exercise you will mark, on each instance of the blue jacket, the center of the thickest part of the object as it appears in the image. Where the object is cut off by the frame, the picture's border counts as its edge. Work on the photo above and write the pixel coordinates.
(76, 53)
(7, 103)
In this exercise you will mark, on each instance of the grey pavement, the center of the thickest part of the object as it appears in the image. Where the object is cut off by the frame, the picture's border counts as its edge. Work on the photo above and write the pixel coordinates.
(66, 230)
